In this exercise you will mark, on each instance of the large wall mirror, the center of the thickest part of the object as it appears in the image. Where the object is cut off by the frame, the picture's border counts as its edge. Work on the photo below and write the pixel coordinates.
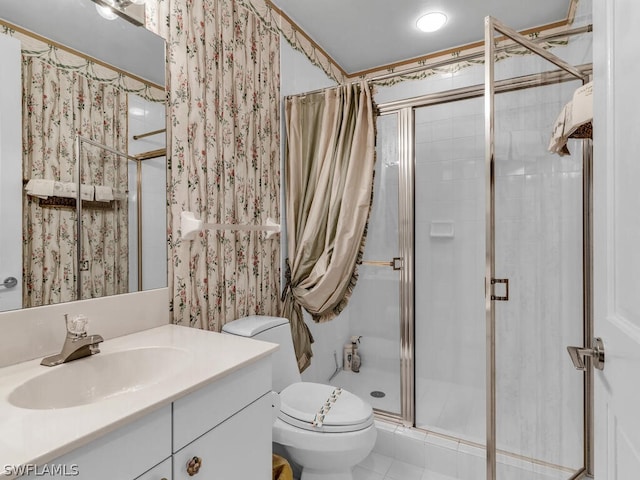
(67, 74)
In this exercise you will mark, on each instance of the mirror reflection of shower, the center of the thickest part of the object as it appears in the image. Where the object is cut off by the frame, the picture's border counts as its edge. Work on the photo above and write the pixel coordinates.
(142, 194)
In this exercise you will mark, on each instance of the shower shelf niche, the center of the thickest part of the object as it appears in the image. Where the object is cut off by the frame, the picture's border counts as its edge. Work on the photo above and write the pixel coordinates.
(442, 229)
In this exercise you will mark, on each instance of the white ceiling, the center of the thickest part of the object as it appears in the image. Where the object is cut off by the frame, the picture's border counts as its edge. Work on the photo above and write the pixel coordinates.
(363, 34)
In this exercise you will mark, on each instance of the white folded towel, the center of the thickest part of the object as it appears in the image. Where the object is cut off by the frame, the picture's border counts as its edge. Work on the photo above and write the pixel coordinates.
(87, 192)
(575, 114)
(119, 195)
(39, 187)
(65, 189)
(558, 143)
(104, 194)
(69, 190)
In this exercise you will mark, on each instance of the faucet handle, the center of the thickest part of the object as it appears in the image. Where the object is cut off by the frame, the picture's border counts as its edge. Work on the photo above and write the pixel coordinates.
(77, 325)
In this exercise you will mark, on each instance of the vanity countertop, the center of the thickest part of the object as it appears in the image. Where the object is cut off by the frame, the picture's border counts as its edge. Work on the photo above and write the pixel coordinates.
(37, 436)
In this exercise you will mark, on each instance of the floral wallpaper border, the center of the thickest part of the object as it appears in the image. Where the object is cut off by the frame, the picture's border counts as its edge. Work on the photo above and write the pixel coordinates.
(301, 42)
(297, 38)
(66, 60)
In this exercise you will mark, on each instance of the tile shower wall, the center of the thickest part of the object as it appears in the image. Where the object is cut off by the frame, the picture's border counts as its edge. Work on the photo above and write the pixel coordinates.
(449, 268)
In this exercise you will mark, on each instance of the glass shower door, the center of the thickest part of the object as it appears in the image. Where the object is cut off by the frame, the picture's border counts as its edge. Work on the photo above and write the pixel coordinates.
(449, 270)
(535, 271)
(538, 248)
(374, 309)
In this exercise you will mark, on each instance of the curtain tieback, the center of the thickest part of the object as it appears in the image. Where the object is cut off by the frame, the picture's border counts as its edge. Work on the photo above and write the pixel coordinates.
(287, 280)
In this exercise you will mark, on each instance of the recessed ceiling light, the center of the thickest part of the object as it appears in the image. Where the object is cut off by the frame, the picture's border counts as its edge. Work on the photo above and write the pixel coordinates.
(431, 21)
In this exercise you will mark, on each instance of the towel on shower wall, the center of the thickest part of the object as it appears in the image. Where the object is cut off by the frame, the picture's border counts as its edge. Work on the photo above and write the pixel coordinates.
(38, 187)
(574, 120)
(104, 194)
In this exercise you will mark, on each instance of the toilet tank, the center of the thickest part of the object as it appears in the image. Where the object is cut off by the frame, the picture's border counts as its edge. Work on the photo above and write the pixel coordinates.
(274, 330)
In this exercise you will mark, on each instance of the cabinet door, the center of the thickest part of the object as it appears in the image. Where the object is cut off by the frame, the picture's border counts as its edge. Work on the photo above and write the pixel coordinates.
(238, 448)
(159, 472)
(122, 454)
(199, 412)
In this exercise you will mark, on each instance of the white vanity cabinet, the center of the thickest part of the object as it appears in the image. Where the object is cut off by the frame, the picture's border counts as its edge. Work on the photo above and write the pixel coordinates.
(224, 424)
(225, 428)
(239, 448)
(125, 453)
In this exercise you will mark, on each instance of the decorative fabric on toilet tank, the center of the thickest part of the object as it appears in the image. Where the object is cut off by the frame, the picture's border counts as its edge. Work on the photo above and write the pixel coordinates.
(329, 177)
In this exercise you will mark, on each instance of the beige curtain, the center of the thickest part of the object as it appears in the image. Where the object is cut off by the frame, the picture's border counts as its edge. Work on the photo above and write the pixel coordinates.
(224, 144)
(329, 178)
(58, 104)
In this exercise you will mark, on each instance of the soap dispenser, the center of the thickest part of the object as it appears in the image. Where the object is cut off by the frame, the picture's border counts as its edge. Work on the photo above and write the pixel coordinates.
(355, 357)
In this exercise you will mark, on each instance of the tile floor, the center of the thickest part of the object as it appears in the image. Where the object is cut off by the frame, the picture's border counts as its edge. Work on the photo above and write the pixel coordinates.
(380, 467)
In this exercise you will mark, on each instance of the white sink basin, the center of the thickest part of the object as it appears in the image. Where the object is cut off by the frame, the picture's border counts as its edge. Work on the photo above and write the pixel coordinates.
(99, 377)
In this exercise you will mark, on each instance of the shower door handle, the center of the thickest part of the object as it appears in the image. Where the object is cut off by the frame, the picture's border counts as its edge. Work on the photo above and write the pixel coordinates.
(505, 282)
(578, 354)
(396, 263)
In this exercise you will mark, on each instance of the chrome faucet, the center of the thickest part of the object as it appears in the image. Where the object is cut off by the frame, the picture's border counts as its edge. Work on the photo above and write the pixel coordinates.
(77, 344)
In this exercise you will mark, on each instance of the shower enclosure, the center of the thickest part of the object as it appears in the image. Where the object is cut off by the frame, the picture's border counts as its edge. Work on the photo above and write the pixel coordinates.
(476, 274)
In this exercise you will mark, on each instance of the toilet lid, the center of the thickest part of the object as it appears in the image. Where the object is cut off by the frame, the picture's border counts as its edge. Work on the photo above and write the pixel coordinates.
(302, 402)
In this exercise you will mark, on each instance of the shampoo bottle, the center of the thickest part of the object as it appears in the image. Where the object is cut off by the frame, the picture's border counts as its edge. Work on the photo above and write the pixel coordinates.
(355, 357)
(346, 362)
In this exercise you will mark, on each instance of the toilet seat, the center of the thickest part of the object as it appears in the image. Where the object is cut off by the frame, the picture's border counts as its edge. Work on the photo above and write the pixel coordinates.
(345, 412)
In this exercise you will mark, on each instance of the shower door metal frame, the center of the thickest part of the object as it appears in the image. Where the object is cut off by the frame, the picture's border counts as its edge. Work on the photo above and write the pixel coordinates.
(406, 230)
(80, 140)
(406, 153)
(493, 26)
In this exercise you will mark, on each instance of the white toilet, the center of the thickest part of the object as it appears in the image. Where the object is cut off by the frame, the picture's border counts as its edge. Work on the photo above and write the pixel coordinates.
(324, 429)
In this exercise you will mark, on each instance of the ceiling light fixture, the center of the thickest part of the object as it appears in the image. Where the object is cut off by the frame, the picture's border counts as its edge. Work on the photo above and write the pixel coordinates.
(106, 12)
(431, 21)
(130, 10)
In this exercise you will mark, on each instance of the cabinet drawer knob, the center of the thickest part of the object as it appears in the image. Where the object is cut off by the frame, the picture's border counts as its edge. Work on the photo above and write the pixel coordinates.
(193, 466)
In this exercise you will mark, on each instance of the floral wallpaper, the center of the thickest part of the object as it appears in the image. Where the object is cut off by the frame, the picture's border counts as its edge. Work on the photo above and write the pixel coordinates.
(58, 104)
(224, 146)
